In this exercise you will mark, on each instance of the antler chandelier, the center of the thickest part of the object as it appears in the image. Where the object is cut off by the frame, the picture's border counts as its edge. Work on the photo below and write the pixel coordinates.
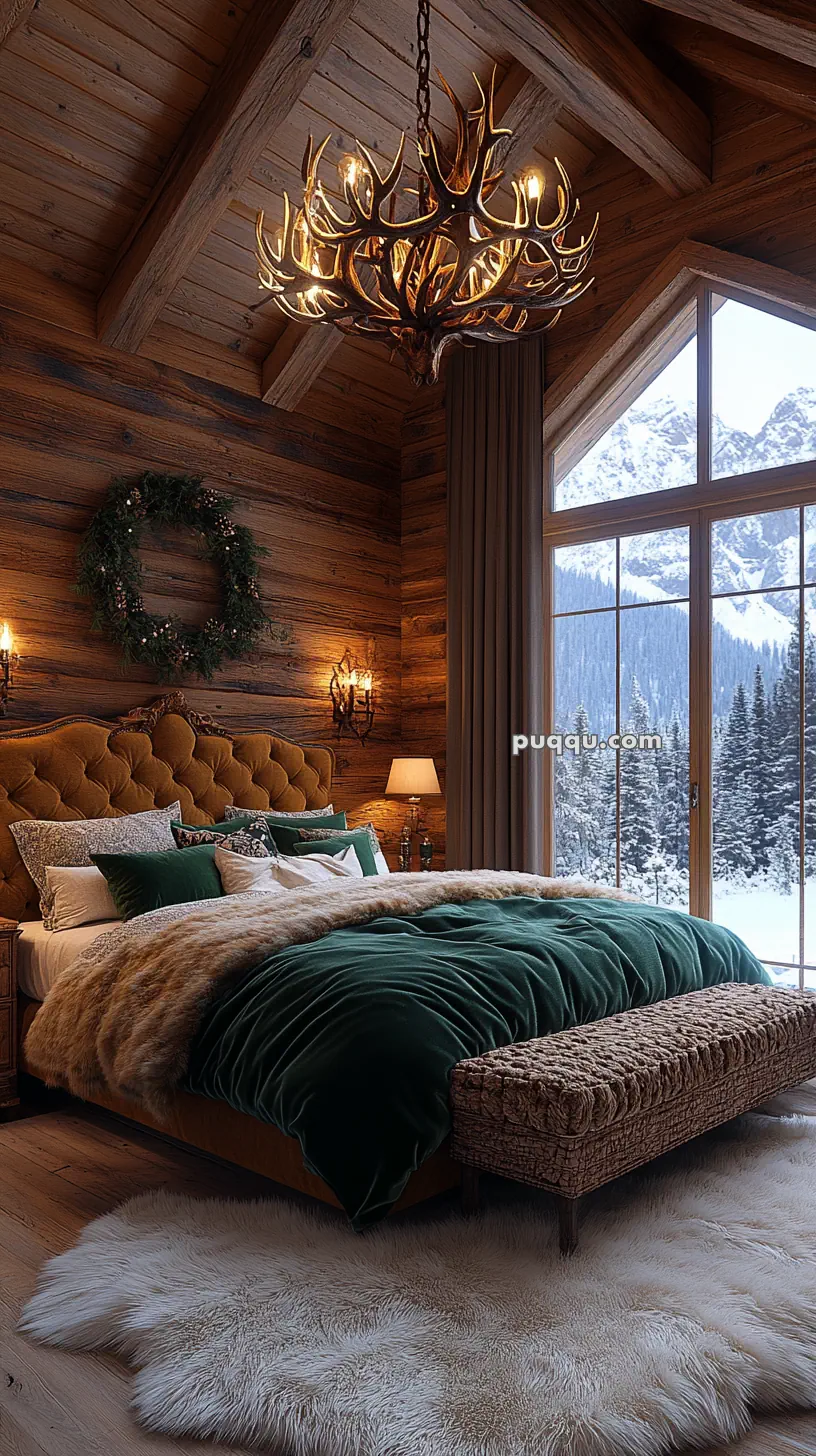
(453, 270)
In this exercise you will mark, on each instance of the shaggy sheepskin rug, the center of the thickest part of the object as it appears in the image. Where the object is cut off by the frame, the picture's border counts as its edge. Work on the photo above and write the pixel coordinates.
(691, 1303)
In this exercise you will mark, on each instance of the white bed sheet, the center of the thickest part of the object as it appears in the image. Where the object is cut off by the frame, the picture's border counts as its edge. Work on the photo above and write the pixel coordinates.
(42, 954)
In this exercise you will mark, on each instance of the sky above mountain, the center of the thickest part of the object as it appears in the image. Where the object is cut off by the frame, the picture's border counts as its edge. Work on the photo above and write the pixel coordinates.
(653, 447)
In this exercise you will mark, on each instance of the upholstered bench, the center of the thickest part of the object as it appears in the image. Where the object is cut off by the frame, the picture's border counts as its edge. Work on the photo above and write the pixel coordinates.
(571, 1111)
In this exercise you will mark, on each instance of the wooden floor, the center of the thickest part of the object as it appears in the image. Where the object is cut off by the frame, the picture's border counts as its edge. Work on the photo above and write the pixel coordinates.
(60, 1169)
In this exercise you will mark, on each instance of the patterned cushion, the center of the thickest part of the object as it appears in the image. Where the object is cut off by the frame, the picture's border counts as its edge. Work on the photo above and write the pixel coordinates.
(233, 811)
(333, 834)
(44, 842)
(252, 840)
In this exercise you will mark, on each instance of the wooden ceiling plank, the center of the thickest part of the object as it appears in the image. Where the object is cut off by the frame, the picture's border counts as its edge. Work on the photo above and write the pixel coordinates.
(277, 51)
(785, 26)
(298, 358)
(12, 14)
(587, 60)
(772, 78)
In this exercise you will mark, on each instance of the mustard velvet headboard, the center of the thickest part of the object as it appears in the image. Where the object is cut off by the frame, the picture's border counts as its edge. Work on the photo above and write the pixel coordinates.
(84, 768)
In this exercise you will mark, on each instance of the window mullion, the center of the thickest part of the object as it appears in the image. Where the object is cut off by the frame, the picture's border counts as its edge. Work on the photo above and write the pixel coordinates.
(700, 714)
(703, 386)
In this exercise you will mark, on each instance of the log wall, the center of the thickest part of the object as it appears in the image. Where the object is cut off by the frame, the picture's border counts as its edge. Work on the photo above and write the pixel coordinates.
(324, 502)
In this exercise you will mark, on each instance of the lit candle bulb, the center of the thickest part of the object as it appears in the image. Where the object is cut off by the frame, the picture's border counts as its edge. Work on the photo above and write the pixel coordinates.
(6, 642)
(350, 170)
(532, 186)
(366, 682)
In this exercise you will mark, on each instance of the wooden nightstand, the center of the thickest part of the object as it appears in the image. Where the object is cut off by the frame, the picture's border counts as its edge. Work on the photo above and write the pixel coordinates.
(8, 1015)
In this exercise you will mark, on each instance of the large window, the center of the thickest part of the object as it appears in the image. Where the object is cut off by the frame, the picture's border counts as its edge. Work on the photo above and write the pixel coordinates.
(621, 667)
(693, 618)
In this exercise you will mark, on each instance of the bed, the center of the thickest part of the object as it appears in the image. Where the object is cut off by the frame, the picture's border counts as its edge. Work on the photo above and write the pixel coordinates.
(308, 1037)
(83, 767)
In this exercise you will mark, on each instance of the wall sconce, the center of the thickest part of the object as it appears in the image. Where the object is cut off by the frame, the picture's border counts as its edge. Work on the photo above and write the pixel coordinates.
(8, 661)
(352, 694)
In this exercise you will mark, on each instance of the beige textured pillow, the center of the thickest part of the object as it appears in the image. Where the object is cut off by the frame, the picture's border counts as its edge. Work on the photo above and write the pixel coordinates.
(79, 896)
(71, 842)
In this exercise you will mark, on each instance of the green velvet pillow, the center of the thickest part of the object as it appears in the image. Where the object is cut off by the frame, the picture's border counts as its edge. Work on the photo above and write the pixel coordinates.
(360, 838)
(142, 882)
(285, 831)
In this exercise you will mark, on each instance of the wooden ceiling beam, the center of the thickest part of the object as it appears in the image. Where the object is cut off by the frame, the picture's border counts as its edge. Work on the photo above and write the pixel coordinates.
(12, 14)
(303, 350)
(529, 108)
(296, 361)
(782, 83)
(785, 26)
(586, 59)
(278, 48)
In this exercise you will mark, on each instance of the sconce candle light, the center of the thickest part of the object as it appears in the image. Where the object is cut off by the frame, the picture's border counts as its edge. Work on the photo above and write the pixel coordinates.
(352, 695)
(8, 660)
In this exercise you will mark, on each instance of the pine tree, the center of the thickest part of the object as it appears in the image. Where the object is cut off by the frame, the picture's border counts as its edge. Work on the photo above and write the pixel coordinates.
(673, 772)
(732, 825)
(638, 786)
(758, 776)
(784, 770)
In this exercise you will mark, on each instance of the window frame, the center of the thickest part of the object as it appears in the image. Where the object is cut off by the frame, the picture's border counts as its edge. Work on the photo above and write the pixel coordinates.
(696, 506)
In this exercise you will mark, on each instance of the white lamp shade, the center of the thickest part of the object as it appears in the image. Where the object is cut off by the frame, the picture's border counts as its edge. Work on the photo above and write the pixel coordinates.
(415, 776)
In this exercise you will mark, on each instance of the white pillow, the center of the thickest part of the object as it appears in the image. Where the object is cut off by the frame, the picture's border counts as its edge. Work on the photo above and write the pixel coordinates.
(79, 896)
(240, 876)
(381, 862)
(295, 870)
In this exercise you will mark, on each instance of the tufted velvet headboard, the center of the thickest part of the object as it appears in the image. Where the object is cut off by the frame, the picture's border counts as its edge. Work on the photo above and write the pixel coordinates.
(83, 768)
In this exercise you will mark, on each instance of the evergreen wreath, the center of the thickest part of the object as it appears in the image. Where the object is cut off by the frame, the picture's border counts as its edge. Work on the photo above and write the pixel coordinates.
(111, 575)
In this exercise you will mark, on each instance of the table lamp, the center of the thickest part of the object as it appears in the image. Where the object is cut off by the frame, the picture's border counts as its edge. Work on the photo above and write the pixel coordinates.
(415, 777)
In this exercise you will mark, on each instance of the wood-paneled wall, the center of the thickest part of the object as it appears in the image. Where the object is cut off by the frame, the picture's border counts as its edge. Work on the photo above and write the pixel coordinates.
(424, 594)
(324, 502)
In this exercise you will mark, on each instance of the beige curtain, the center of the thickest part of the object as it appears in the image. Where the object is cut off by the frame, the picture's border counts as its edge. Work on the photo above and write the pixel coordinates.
(495, 606)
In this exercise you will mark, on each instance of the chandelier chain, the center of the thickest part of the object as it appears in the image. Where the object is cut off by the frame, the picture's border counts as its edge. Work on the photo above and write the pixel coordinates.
(423, 67)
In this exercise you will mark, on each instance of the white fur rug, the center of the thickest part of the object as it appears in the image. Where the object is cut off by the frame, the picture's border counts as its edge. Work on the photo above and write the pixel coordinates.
(690, 1303)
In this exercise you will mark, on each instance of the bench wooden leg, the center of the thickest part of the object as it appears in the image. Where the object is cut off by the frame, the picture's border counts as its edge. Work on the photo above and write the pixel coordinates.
(470, 1189)
(567, 1223)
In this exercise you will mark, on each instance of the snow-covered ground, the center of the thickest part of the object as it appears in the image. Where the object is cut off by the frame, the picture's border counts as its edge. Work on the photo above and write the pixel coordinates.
(768, 922)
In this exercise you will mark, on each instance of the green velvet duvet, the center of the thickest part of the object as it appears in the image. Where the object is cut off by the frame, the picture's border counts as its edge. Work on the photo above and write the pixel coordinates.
(347, 1043)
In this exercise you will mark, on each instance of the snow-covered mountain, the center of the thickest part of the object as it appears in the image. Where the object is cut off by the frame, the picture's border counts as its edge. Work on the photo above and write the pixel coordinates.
(655, 448)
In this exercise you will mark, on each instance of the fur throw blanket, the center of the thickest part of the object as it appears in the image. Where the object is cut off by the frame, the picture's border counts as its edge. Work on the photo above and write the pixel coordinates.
(123, 1016)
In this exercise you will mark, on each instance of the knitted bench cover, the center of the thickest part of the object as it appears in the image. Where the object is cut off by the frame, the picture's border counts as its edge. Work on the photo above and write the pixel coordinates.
(570, 1111)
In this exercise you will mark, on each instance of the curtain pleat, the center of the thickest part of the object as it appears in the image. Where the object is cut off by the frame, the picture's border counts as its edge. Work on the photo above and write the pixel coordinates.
(495, 606)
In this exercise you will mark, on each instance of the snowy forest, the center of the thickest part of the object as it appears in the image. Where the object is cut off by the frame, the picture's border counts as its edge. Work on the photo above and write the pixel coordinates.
(755, 786)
